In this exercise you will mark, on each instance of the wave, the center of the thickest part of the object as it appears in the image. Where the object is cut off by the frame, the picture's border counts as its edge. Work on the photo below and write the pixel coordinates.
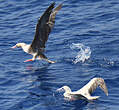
(84, 52)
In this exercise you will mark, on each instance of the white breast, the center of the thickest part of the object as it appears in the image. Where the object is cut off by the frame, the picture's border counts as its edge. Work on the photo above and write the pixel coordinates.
(26, 48)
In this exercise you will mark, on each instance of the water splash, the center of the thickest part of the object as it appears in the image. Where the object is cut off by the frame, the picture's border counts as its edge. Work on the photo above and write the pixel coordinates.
(83, 53)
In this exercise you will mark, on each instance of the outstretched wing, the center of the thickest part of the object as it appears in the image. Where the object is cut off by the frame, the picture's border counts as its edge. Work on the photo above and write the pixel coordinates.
(93, 84)
(53, 15)
(43, 29)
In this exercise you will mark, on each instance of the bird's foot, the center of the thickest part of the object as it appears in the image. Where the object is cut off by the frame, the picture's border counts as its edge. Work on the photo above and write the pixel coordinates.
(51, 61)
(28, 60)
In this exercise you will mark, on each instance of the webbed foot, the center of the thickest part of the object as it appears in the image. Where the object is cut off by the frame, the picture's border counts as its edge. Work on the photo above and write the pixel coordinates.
(28, 60)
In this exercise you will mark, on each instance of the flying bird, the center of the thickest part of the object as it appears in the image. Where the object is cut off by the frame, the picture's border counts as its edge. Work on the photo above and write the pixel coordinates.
(43, 28)
(86, 91)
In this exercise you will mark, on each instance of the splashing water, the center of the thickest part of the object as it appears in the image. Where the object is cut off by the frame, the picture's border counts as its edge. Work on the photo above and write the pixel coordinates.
(83, 53)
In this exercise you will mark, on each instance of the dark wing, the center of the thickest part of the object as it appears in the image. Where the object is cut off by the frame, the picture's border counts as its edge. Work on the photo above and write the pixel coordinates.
(52, 16)
(44, 27)
(42, 30)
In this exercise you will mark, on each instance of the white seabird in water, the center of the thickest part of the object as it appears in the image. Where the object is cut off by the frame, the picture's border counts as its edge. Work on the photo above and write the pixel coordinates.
(85, 92)
(43, 29)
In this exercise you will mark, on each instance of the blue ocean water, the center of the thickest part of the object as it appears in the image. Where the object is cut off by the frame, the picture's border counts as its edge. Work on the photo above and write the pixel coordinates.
(32, 85)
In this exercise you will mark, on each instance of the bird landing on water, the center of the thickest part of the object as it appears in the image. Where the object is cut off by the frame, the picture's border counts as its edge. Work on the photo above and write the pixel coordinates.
(43, 28)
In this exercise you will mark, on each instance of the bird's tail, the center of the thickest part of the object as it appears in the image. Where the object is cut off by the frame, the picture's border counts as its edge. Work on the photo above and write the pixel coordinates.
(93, 97)
(42, 56)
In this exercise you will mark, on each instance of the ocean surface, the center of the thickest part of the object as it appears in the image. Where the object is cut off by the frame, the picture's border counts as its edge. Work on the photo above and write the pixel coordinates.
(32, 85)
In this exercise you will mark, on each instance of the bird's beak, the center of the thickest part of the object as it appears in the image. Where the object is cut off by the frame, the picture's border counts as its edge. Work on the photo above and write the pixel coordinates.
(60, 90)
(14, 47)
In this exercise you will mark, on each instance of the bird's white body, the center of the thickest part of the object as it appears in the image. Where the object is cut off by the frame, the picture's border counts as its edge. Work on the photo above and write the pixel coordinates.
(25, 47)
(85, 92)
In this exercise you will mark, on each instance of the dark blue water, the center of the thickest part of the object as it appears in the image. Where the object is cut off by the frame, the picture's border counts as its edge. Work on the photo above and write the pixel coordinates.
(32, 85)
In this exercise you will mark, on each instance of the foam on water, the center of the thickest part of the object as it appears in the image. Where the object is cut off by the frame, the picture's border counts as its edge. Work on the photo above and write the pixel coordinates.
(83, 54)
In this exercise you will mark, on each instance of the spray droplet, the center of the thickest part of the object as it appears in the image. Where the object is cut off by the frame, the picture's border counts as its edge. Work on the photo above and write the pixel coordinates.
(83, 53)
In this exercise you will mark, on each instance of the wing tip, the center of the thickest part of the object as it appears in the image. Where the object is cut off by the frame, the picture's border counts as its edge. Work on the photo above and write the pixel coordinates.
(52, 4)
(58, 7)
(103, 85)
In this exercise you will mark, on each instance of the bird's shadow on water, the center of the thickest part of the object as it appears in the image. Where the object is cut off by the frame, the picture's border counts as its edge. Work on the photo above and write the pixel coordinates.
(40, 72)
(36, 67)
(38, 87)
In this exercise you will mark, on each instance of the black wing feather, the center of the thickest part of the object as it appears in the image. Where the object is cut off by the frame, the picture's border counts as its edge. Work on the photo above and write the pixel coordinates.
(42, 30)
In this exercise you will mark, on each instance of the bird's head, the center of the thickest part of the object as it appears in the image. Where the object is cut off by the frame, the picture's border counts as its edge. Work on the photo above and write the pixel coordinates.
(18, 45)
(64, 88)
